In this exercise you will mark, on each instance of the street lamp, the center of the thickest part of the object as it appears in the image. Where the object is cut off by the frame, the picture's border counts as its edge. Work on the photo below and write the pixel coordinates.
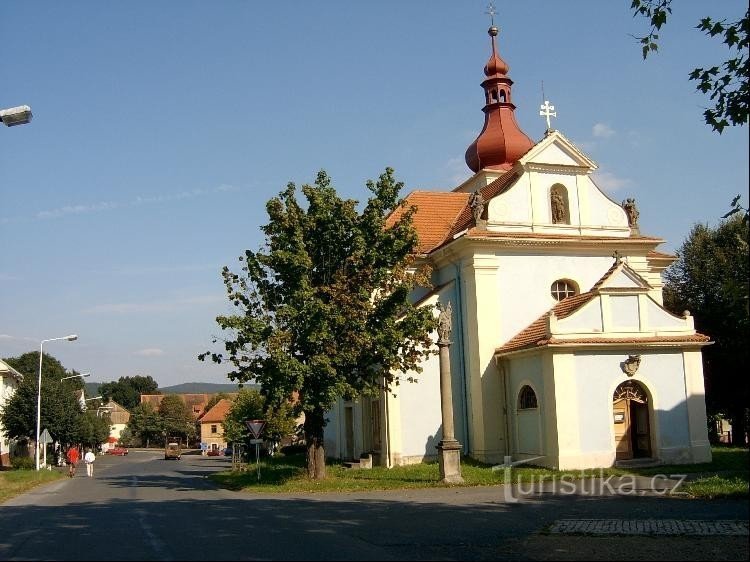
(72, 337)
(82, 375)
(20, 115)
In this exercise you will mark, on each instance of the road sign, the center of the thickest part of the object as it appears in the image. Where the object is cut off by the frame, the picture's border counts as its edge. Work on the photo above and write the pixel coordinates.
(256, 441)
(45, 437)
(255, 427)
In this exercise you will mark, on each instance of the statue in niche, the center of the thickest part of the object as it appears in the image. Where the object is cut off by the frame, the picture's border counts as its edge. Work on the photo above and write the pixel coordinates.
(558, 206)
(632, 212)
(444, 322)
(476, 202)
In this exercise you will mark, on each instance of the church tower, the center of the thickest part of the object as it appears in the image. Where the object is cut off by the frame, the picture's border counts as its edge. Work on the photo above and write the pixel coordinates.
(501, 142)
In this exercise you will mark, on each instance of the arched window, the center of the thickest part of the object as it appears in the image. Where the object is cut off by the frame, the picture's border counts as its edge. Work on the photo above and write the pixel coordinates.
(502, 96)
(558, 200)
(562, 289)
(527, 398)
(494, 96)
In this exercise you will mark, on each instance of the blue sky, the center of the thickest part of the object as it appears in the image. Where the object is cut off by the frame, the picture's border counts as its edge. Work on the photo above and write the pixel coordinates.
(161, 129)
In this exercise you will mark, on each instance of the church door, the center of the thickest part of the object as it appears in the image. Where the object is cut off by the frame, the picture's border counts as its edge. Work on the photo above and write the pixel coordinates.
(631, 421)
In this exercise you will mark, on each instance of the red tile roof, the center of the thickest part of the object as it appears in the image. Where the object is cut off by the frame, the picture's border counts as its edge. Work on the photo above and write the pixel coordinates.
(436, 213)
(218, 412)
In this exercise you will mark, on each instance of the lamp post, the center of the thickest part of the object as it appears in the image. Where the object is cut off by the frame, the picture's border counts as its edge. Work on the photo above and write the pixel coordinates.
(82, 375)
(71, 337)
(13, 116)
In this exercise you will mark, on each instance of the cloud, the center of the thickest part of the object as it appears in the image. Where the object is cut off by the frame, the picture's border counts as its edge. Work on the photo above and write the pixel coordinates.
(609, 182)
(456, 171)
(138, 201)
(149, 352)
(602, 131)
(158, 306)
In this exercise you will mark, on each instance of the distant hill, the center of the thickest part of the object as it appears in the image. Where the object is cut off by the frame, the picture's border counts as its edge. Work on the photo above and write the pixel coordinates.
(91, 389)
(202, 387)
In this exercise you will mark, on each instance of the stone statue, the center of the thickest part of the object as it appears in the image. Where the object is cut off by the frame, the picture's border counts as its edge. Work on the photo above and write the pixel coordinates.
(558, 206)
(444, 322)
(632, 212)
(476, 202)
(630, 366)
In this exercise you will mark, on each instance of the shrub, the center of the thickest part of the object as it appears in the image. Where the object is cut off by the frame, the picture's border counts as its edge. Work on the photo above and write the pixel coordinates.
(22, 463)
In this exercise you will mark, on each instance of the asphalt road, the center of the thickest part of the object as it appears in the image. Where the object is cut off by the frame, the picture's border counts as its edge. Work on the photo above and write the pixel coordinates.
(141, 507)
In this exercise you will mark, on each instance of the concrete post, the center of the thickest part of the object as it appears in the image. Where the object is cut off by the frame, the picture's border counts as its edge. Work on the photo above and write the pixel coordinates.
(449, 449)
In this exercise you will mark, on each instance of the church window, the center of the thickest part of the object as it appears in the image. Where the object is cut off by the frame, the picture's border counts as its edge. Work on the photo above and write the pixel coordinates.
(558, 199)
(494, 96)
(562, 289)
(502, 96)
(527, 398)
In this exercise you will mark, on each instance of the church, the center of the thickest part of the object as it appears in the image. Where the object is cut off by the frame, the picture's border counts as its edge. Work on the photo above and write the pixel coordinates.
(561, 353)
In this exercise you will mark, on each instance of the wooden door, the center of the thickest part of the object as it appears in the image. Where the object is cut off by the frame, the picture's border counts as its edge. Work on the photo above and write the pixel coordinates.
(641, 430)
(623, 435)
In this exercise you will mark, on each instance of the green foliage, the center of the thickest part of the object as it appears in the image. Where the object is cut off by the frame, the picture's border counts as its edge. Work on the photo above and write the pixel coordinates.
(23, 463)
(176, 418)
(127, 390)
(323, 308)
(725, 84)
(249, 404)
(145, 424)
(93, 430)
(710, 279)
(60, 408)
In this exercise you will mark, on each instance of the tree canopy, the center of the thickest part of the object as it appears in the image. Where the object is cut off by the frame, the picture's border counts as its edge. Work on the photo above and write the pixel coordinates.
(60, 411)
(710, 279)
(176, 418)
(323, 307)
(127, 390)
(726, 84)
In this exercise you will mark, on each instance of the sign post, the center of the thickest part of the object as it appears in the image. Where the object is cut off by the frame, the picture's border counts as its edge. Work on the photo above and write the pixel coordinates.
(256, 428)
(45, 439)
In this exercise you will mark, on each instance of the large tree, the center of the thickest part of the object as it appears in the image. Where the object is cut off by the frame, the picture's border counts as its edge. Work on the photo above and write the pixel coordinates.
(323, 308)
(176, 417)
(710, 279)
(250, 404)
(145, 424)
(60, 407)
(127, 390)
(726, 84)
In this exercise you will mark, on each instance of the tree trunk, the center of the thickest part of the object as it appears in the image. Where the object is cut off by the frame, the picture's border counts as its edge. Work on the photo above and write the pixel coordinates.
(316, 456)
(738, 426)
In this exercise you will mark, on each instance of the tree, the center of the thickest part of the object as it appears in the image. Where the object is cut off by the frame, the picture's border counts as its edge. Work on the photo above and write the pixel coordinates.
(93, 430)
(127, 390)
(145, 423)
(176, 417)
(60, 407)
(726, 84)
(323, 308)
(710, 279)
(249, 404)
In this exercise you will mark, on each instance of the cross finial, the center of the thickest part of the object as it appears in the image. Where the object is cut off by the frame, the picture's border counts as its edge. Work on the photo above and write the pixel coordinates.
(618, 258)
(548, 111)
(491, 12)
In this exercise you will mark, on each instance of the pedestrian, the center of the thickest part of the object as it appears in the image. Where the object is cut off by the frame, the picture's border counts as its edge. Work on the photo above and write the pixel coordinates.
(89, 459)
(73, 457)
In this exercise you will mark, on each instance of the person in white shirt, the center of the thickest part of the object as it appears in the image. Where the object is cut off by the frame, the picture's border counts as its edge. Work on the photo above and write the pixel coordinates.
(89, 459)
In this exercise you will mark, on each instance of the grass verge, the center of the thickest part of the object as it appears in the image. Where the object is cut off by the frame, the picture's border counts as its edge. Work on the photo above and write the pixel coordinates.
(725, 476)
(15, 482)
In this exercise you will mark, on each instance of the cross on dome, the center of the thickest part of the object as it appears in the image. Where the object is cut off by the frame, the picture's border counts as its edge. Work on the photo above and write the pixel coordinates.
(491, 12)
(548, 111)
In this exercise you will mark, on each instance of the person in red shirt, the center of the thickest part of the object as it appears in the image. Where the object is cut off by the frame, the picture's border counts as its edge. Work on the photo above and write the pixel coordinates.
(73, 456)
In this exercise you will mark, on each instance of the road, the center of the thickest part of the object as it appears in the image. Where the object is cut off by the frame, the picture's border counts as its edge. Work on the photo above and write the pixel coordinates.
(141, 507)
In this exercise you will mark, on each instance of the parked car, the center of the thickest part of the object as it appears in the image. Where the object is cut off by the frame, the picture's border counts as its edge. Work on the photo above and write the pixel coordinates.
(214, 452)
(121, 451)
(173, 450)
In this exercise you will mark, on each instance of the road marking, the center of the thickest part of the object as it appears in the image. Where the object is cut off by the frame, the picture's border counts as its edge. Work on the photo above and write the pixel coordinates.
(158, 546)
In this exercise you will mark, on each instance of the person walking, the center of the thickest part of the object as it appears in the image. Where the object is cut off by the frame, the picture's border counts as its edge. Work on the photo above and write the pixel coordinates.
(73, 456)
(89, 459)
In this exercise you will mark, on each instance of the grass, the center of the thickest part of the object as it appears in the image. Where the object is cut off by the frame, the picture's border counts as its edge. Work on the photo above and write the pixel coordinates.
(725, 476)
(15, 482)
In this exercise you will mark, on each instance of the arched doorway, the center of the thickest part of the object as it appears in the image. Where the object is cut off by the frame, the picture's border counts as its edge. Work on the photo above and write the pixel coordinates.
(631, 421)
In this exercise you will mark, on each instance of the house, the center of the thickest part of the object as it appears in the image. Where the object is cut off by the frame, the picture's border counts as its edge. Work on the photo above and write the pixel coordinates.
(561, 352)
(212, 426)
(9, 381)
(119, 417)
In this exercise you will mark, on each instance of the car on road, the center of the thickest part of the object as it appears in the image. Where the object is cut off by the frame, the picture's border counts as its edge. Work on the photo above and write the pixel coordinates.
(120, 451)
(173, 450)
(214, 453)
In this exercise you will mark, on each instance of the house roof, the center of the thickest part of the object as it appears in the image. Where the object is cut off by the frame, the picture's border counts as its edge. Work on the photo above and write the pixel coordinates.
(218, 412)
(6, 369)
(535, 334)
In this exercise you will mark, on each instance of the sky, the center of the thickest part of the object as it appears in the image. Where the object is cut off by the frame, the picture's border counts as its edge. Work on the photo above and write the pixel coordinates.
(161, 129)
